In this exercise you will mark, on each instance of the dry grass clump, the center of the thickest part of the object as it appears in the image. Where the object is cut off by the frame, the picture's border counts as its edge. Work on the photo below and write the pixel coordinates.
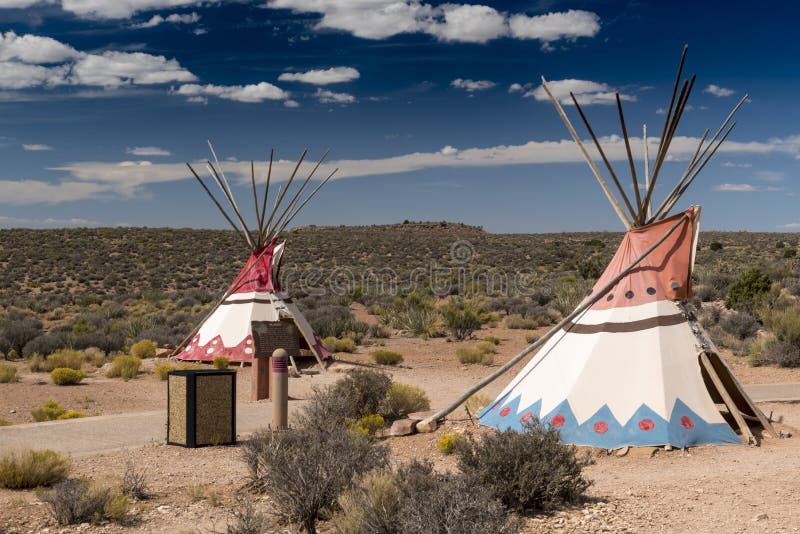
(32, 468)
(449, 441)
(64, 376)
(134, 482)
(66, 358)
(124, 366)
(403, 399)
(370, 424)
(386, 357)
(53, 411)
(335, 344)
(74, 501)
(8, 373)
(221, 362)
(482, 353)
(477, 402)
(163, 369)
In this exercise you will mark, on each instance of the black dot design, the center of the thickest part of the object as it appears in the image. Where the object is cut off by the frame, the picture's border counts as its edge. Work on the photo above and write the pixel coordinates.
(675, 286)
(629, 295)
(610, 297)
(651, 291)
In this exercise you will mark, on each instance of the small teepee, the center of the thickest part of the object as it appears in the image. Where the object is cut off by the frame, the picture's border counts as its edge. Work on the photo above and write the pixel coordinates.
(256, 293)
(630, 366)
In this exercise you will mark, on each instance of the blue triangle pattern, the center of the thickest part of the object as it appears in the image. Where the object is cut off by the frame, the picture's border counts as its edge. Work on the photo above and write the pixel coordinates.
(645, 428)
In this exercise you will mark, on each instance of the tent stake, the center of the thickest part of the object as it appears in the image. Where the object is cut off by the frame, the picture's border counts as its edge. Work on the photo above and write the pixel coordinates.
(429, 424)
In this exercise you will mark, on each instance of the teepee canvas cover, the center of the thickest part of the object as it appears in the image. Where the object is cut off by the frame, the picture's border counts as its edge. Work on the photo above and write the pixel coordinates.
(256, 293)
(257, 297)
(626, 371)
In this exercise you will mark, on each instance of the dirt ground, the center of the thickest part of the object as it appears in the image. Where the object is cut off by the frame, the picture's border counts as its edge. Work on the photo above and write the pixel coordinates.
(704, 489)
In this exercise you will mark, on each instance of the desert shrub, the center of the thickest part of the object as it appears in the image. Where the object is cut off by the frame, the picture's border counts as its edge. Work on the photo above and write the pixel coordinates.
(75, 501)
(134, 482)
(789, 253)
(371, 506)
(379, 331)
(743, 293)
(8, 373)
(386, 357)
(304, 471)
(403, 399)
(445, 503)
(370, 424)
(461, 318)
(95, 356)
(518, 322)
(144, 349)
(71, 414)
(531, 338)
(715, 246)
(415, 313)
(494, 340)
(64, 376)
(46, 344)
(19, 331)
(32, 468)
(449, 441)
(163, 369)
(49, 411)
(334, 344)
(741, 324)
(482, 353)
(781, 353)
(528, 471)
(246, 519)
(4, 422)
(66, 358)
(124, 366)
(477, 402)
(221, 362)
(784, 348)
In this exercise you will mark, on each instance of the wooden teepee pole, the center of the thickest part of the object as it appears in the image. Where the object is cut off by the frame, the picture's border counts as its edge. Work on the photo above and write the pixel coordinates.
(649, 211)
(429, 424)
(611, 198)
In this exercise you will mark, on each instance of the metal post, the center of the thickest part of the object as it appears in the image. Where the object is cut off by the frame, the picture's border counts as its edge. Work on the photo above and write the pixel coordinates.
(280, 389)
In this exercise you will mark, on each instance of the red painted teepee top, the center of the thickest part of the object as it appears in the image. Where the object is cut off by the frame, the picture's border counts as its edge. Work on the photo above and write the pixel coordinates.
(259, 279)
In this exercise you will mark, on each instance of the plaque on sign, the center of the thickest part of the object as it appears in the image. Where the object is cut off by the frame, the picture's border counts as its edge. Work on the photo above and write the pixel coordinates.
(271, 335)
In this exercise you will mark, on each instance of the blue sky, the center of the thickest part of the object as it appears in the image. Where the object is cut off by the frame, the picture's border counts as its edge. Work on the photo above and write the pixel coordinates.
(433, 111)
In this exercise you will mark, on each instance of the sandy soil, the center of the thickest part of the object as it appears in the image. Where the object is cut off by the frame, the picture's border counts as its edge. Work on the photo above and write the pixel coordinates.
(724, 489)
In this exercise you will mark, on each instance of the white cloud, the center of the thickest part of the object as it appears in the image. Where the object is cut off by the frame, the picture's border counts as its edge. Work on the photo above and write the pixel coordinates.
(745, 188)
(731, 164)
(770, 176)
(472, 23)
(34, 49)
(119, 9)
(17, 222)
(471, 86)
(147, 151)
(291, 103)
(36, 147)
(322, 77)
(175, 18)
(329, 97)
(15, 75)
(113, 69)
(586, 92)
(718, 91)
(448, 151)
(250, 94)
(469, 24)
(555, 26)
(26, 192)
(791, 226)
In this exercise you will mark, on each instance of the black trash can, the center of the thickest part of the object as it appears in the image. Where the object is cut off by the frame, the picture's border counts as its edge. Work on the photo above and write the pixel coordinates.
(201, 407)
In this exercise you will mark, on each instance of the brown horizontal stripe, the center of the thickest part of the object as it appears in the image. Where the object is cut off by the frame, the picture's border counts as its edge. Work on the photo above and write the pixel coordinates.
(247, 301)
(632, 326)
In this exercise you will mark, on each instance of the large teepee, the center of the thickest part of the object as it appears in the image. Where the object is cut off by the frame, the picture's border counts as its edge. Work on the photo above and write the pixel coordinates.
(256, 293)
(631, 366)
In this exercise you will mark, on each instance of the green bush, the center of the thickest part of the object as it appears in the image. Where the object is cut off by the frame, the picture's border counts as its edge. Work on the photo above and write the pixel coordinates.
(518, 322)
(494, 340)
(64, 376)
(529, 471)
(144, 349)
(304, 471)
(32, 468)
(462, 318)
(221, 362)
(50, 411)
(124, 366)
(715, 246)
(370, 424)
(789, 253)
(449, 441)
(8, 373)
(403, 399)
(163, 369)
(71, 414)
(65, 358)
(386, 357)
(743, 293)
(334, 344)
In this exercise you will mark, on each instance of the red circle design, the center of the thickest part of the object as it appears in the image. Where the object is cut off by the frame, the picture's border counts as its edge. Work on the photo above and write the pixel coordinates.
(687, 422)
(601, 427)
(526, 417)
(558, 420)
(505, 411)
(647, 425)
